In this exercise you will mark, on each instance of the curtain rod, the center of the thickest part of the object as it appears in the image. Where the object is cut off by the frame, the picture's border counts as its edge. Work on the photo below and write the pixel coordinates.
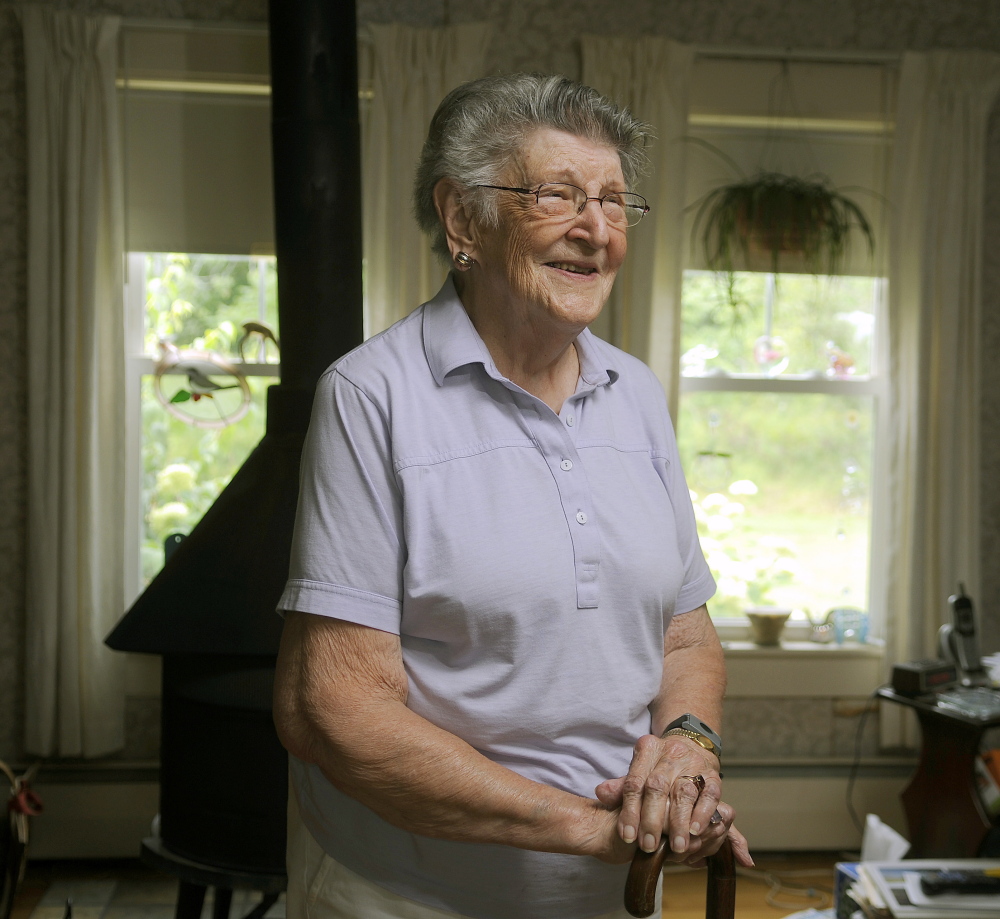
(719, 52)
(797, 55)
(137, 23)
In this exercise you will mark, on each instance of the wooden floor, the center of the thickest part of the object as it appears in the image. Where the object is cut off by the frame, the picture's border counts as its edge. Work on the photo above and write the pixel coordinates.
(807, 880)
(41, 876)
(143, 892)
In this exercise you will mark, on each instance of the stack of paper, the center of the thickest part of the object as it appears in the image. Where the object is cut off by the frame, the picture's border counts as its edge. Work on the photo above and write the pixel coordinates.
(866, 894)
(845, 876)
(891, 890)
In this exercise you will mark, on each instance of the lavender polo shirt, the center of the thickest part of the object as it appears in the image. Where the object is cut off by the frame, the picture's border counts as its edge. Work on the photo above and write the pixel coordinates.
(530, 563)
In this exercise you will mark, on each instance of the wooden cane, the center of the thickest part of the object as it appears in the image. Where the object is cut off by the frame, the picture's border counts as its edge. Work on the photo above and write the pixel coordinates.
(640, 888)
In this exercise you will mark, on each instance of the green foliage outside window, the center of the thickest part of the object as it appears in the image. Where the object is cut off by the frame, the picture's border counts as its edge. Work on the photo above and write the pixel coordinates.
(813, 316)
(201, 301)
(795, 532)
(800, 539)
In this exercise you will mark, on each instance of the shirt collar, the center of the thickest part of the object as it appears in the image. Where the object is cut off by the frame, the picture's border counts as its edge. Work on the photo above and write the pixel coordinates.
(451, 341)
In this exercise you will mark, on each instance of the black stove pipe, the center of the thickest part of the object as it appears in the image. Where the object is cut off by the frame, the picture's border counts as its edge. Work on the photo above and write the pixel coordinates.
(315, 138)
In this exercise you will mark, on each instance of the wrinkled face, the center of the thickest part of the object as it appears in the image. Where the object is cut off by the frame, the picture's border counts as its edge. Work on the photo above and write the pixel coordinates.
(556, 270)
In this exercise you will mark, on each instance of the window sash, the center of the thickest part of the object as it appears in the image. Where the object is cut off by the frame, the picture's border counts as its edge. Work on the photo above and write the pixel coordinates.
(139, 364)
(876, 385)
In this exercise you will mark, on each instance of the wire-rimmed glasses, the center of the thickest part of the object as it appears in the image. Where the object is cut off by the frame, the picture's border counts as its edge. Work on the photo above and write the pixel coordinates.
(562, 201)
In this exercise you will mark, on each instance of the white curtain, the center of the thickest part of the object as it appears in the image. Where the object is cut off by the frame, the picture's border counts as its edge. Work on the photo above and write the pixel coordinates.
(409, 71)
(935, 269)
(76, 385)
(652, 78)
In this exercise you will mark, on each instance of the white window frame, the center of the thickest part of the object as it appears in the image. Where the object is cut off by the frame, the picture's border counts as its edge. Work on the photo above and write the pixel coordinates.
(714, 111)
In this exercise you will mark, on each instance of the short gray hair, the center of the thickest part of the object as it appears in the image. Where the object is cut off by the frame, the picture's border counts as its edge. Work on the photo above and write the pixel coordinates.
(479, 127)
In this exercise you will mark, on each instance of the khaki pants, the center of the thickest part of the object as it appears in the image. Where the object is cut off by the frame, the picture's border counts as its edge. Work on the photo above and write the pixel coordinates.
(321, 888)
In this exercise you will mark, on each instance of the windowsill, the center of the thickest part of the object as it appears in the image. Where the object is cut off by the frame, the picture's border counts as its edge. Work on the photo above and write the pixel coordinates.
(811, 649)
(796, 639)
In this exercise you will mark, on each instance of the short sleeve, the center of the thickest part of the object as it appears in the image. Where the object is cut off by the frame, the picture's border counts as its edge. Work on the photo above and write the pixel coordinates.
(347, 550)
(698, 586)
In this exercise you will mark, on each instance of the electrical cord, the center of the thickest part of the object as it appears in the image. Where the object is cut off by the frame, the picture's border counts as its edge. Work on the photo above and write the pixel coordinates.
(814, 895)
(855, 766)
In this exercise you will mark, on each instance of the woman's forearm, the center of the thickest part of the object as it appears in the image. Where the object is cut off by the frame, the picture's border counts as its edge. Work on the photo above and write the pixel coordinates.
(694, 672)
(425, 780)
(340, 702)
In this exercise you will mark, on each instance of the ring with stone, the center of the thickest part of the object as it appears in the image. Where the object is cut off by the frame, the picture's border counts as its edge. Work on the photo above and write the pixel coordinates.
(699, 781)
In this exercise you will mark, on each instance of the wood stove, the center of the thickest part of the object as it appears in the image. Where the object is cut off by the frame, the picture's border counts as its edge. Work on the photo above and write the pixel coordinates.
(211, 611)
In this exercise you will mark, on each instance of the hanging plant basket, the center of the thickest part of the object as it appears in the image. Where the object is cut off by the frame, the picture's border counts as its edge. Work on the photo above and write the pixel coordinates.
(775, 214)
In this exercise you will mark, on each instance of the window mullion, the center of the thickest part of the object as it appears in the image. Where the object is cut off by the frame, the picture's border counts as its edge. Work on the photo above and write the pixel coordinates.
(864, 386)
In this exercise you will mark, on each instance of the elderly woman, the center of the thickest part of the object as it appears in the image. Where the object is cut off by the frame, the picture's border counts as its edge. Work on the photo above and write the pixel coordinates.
(498, 673)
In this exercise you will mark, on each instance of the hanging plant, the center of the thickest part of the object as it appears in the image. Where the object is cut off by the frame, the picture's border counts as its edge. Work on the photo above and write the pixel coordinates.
(773, 214)
(779, 214)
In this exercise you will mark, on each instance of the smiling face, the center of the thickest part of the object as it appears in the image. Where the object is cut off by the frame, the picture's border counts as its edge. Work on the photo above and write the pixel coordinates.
(547, 271)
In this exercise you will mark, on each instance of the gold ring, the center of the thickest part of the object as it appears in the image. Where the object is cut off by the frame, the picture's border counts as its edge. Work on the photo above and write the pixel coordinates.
(699, 781)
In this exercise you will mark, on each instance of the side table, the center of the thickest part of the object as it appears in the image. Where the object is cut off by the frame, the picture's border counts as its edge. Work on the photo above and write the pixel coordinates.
(944, 813)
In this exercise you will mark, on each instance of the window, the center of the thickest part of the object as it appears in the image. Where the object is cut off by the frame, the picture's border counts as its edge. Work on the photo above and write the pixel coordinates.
(777, 428)
(196, 132)
(196, 420)
(782, 372)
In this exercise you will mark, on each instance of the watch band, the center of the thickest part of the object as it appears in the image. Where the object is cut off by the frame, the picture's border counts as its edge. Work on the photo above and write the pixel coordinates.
(695, 729)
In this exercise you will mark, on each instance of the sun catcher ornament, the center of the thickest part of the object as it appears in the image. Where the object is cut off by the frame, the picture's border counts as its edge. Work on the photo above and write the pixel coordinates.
(200, 388)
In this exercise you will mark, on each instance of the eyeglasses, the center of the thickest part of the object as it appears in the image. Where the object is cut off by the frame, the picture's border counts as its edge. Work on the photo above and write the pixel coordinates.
(563, 202)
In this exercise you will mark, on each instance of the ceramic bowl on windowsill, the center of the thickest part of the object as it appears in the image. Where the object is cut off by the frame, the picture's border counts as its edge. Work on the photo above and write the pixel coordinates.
(766, 624)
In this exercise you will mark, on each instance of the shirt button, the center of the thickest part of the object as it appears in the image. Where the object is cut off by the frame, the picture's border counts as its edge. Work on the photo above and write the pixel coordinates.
(566, 465)
(570, 420)
(581, 517)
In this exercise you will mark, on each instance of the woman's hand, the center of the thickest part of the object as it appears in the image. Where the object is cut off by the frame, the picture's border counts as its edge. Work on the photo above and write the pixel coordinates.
(602, 839)
(673, 787)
